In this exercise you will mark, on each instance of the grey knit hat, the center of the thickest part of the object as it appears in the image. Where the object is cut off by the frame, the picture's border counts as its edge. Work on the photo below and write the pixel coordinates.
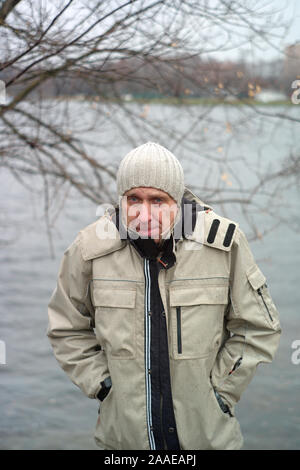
(151, 165)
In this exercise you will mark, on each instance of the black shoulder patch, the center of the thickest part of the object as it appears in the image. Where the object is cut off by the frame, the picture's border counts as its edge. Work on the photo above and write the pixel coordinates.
(229, 235)
(213, 231)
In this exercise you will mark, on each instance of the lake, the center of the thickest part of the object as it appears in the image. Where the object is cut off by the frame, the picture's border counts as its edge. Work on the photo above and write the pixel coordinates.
(39, 407)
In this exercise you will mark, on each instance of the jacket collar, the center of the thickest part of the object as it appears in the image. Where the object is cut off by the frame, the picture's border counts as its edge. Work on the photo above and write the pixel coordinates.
(93, 245)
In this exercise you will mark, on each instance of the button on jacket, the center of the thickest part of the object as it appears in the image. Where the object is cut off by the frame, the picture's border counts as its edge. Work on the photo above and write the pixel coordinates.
(179, 332)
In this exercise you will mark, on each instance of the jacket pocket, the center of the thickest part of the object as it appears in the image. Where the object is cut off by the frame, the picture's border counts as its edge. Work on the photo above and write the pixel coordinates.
(258, 284)
(197, 319)
(222, 405)
(115, 320)
(103, 398)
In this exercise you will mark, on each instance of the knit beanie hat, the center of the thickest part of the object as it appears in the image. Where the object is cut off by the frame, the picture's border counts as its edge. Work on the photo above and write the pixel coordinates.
(151, 165)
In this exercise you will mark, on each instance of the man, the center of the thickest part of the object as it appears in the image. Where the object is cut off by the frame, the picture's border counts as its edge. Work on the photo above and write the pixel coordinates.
(161, 313)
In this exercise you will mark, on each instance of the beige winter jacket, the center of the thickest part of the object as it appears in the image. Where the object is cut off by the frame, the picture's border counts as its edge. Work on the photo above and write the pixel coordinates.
(229, 325)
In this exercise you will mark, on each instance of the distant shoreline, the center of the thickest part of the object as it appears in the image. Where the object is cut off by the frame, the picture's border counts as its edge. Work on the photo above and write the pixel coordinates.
(173, 101)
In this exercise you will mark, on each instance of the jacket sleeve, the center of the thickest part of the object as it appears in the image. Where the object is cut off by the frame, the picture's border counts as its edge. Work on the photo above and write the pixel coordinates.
(252, 324)
(71, 320)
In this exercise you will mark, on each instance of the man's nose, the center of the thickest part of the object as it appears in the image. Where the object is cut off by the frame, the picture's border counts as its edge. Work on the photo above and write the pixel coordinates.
(144, 213)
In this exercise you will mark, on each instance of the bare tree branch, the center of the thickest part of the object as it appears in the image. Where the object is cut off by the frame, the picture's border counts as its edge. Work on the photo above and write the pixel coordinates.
(89, 80)
(6, 8)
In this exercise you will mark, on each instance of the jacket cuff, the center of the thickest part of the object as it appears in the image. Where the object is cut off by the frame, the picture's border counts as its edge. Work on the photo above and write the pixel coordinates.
(105, 388)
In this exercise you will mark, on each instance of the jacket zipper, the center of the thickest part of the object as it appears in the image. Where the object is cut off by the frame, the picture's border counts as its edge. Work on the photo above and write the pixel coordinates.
(147, 354)
(259, 291)
(236, 365)
(179, 340)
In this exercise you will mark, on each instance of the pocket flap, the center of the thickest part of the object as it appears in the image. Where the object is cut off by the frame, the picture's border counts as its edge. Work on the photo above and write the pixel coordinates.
(195, 296)
(114, 298)
(256, 277)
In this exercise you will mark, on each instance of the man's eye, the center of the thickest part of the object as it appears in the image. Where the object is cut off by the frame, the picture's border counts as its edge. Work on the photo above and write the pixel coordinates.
(158, 200)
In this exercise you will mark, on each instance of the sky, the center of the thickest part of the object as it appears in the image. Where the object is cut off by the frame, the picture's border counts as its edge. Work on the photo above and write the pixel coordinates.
(290, 13)
(294, 33)
(195, 27)
(293, 12)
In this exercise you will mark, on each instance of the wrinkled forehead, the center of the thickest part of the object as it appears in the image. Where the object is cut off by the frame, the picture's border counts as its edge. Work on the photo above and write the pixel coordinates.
(145, 192)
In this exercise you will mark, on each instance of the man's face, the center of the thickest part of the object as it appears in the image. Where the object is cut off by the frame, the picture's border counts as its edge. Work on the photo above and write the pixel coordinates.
(150, 211)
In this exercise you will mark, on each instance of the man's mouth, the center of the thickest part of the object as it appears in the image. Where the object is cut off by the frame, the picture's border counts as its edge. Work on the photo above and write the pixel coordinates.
(147, 231)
